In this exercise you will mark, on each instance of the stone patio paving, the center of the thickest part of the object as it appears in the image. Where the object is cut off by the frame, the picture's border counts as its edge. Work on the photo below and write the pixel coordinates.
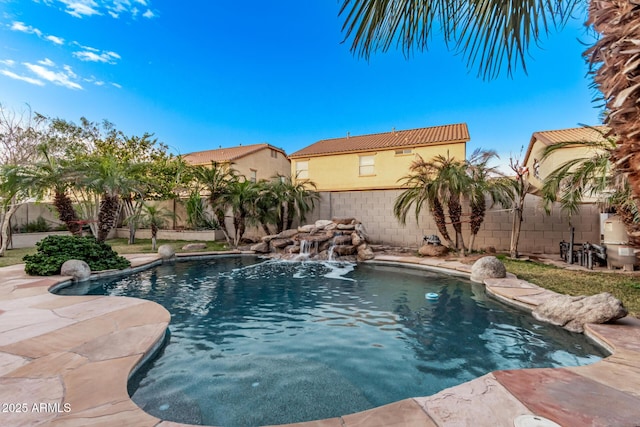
(65, 361)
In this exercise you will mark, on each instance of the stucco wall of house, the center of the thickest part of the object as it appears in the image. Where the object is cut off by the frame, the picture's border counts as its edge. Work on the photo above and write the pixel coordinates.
(264, 165)
(555, 160)
(342, 171)
(540, 233)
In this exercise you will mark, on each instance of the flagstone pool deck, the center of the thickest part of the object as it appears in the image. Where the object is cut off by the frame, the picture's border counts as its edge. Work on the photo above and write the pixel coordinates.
(65, 361)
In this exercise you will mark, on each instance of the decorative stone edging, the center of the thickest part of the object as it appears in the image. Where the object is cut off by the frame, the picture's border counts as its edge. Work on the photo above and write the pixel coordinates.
(78, 352)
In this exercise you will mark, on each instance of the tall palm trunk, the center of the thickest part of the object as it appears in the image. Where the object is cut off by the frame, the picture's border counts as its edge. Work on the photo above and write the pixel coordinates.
(455, 214)
(477, 218)
(441, 223)
(66, 212)
(107, 215)
(614, 59)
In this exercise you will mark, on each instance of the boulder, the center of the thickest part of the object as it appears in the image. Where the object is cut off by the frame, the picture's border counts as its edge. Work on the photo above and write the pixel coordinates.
(342, 240)
(322, 223)
(194, 246)
(281, 243)
(489, 249)
(573, 313)
(315, 237)
(287, 234)
(346, 226)
(433, 250)
(344, 221)
(365, 253)
(76, 268)
(488, 267)
(361, 231)
(270, 237)
(166, 251)
(331, 227)
(356, 239)
(307, 228)
(345, 250)
(262, 248)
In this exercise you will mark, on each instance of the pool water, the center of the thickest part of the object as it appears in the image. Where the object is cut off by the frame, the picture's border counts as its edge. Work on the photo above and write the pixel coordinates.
(256, 342)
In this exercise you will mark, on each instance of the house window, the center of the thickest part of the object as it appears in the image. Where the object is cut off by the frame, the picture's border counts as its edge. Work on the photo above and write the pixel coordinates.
(302, 170)
(404, 151)
(367, 165)
(274, 154)
(253, 177)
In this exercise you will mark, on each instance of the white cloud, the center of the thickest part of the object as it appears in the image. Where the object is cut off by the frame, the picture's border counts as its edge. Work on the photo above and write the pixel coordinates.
(28, 29)
(116, 85)
(55, 40)
(22, 27)
(22, 78)
(94, 55)
(46, 62)
(8, 62)
(114, 8)
(81, 8)
(59, 78)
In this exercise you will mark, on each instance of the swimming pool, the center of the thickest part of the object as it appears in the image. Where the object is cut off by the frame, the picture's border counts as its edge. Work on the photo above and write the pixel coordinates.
(258, 343)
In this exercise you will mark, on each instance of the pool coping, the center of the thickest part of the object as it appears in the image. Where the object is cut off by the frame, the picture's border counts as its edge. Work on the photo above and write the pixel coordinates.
(66, 360)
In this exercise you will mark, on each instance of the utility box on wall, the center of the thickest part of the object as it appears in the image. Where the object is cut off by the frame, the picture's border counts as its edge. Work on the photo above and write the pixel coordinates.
(619, 253)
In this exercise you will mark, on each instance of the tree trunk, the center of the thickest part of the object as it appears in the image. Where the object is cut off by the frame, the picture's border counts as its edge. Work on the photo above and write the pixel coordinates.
(515, 232)
(441, 224)
(66, 213)
(154, 234)
(109, 207)
(472, 242)
(5, 229)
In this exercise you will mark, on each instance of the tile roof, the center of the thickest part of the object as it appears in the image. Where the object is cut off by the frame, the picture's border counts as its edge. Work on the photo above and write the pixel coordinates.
(577, 135)
(228, 154)
(402, 138)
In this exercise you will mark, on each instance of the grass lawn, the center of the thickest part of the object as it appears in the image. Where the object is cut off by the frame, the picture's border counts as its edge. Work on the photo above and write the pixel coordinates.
(624, 286)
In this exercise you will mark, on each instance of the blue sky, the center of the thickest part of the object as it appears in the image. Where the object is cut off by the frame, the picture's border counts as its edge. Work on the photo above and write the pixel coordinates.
(203, 74)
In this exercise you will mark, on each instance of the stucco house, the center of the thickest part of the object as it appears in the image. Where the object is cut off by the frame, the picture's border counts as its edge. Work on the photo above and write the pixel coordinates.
(256, 162)
(376, 161)
(576, 137)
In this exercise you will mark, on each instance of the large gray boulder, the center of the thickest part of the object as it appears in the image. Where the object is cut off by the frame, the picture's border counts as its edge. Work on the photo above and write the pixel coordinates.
(433, 250)
(573, 313)
(76, 268)
(166, 251)
(488, 267)
(262, 247)
(365, 253)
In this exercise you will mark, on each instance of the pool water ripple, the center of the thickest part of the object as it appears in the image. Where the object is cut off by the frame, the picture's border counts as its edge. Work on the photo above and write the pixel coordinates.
(258, 343)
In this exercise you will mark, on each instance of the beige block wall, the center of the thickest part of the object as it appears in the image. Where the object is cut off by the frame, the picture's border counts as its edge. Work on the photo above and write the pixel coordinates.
(539, 233)
(29, 212)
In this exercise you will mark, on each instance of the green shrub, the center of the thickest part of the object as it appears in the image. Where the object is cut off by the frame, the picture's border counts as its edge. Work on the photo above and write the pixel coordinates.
(53, 251)
(37, 226)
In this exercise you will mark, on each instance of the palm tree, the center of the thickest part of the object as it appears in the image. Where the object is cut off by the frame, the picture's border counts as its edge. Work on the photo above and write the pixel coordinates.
(426, 186)
(216, 180)
(155, 217)
(592, 175)
(56, 175)
(485, 181)
(109, 177)
(614, 64)
(294, 200)
(241, 197)
(495, 33)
